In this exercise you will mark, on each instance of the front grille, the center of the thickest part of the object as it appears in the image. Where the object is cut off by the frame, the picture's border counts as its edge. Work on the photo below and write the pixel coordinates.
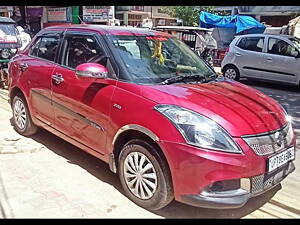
(257, 184)
(272, 142)
(265, 181)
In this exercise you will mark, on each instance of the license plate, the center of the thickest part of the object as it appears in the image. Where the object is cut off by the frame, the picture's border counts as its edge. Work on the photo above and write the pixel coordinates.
(280, 159)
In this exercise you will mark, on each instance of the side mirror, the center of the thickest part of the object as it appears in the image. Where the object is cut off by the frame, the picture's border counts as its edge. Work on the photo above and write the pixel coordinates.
(295, 53)
(93, 70)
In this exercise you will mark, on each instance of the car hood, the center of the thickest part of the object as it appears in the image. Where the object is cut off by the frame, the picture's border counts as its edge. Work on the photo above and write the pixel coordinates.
(239, 109)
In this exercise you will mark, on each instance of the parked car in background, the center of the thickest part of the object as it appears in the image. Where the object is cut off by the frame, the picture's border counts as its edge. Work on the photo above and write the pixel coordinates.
(9, 43)
(267, 57)
(146, 104)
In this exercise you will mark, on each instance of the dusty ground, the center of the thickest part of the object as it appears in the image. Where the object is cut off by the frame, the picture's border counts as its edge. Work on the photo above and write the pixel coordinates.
(46, 177)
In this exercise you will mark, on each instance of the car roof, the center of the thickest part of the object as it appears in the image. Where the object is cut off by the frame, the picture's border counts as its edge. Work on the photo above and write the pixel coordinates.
(266, 35)
(182, 28)
(113, 30)
(6, 20)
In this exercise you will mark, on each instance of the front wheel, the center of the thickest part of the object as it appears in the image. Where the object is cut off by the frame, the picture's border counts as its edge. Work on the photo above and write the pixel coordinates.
(21, 117)
(144, 175)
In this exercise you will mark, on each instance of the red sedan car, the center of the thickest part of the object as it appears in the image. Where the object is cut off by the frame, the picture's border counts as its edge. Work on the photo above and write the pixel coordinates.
(143, 102)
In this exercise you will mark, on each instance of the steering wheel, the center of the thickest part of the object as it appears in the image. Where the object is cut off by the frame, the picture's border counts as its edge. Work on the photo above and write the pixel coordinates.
(96, 58)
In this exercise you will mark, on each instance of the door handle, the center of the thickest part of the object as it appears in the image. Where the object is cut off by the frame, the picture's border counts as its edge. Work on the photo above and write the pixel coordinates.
(23, 66)
(269, 59)
(58, 78)
(238, 54)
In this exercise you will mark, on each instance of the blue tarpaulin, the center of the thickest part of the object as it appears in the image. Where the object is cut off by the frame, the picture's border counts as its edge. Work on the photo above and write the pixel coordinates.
(245, 24)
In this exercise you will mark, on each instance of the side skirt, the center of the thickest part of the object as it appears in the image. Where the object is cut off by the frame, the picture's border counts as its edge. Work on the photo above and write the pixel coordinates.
(85, 148)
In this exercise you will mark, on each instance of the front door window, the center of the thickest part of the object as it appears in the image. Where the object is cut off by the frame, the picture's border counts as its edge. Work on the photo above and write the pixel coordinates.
(280, 47)
(82, 49)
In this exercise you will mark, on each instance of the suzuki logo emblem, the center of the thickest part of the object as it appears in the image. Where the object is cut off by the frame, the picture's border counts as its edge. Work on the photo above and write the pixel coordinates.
(279, 138)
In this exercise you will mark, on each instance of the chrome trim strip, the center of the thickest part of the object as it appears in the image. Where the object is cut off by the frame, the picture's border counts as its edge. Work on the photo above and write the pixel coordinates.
(224, 194)
(270, 71)
(51, 128)
(137, 128)
(264, 133)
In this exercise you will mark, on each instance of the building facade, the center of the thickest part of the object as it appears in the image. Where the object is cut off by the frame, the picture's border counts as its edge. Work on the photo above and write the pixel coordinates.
(160, 18)
(34, 18)
(275, 16)
(134, 15)
(38, 17)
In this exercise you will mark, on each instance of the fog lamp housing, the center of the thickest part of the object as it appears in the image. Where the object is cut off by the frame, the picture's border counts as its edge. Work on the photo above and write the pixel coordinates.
(224, 185)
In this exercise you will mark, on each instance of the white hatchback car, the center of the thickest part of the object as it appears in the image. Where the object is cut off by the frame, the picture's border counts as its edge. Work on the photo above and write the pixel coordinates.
(265, 57)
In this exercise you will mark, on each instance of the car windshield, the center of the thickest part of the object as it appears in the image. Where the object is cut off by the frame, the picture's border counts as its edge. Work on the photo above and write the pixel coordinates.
(153, 59)
(8, 33)
(296, 42)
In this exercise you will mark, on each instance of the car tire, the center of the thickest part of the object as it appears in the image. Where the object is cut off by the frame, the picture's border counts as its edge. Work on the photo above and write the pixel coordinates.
(21, 117)
(231, 72)
(152, 189)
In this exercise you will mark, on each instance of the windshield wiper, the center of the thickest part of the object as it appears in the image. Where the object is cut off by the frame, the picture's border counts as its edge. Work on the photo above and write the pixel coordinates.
(179, 78)
(201, 78)
(213, 76)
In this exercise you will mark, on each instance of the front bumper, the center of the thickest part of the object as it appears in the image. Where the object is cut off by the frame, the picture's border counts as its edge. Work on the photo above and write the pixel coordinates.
(239, 197)
(193, 170)
(229, 199)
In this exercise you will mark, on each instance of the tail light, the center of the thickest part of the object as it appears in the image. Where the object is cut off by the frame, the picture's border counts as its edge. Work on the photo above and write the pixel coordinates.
(226, 51)
(223, 53)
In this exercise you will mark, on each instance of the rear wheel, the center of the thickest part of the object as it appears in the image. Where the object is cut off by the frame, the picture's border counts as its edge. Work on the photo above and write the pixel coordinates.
(21, 117)
(231, 72)
(144, 175)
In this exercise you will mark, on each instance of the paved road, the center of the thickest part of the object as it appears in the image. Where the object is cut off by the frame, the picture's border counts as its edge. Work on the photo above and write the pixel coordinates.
(59, 180)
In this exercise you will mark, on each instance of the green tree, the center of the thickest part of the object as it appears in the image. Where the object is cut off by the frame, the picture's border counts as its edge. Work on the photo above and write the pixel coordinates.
(189, 14)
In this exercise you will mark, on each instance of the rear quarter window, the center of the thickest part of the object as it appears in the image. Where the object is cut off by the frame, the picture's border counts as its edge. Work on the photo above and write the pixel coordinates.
(255, 44)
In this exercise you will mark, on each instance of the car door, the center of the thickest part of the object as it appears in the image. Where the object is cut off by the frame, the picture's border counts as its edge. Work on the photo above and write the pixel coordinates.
(280, 64)
(248, 56)
(36, 69)
(82, 104)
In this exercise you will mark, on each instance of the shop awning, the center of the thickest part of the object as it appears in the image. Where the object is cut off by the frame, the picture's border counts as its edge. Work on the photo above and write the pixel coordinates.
(245, 24)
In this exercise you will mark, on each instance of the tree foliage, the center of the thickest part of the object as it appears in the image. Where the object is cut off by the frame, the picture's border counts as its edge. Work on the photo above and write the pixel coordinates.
(189, 14)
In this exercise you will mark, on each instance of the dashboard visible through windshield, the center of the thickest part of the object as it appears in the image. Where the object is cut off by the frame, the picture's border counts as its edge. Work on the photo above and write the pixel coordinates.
(153, 59)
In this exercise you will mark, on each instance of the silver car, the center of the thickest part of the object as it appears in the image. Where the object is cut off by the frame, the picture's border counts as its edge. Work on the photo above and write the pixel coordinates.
(265, 57)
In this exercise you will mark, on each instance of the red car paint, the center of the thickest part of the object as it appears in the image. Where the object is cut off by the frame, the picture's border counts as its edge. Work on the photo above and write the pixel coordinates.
(239, 109)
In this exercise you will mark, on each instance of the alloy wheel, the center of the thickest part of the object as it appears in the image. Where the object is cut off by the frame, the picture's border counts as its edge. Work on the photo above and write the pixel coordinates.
(140, 175)
(230, 73)
(20, 116)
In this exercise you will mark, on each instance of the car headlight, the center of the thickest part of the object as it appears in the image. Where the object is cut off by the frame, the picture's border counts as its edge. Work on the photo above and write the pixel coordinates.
(199, 130)
(288, 118)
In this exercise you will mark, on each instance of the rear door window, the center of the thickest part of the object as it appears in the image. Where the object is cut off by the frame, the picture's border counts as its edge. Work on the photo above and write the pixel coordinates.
(255, 44)
(45, 48)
